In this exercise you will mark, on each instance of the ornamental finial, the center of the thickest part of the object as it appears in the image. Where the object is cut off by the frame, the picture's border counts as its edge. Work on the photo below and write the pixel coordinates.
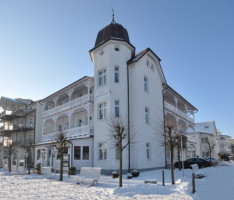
(113, 16)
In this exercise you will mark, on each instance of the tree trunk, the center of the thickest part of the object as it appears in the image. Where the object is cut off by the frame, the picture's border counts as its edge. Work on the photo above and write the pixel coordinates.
(9, 160)
(29, 162)
(172, 167)
(120, 165)
(61, 167)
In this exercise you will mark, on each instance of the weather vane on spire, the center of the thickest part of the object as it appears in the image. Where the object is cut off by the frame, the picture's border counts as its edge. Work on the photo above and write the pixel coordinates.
(113, 16)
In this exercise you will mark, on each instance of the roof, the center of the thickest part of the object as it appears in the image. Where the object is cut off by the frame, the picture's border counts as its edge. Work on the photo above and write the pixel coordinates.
(113, 30)
(141, 54)
(205, 127)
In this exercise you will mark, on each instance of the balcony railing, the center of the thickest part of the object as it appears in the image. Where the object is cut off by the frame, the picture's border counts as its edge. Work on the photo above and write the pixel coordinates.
(77, 101)
(77, 132)
(178, 112)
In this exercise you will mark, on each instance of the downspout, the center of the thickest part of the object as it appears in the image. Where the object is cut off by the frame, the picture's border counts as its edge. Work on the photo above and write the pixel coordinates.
(164, 124)
(129, 141)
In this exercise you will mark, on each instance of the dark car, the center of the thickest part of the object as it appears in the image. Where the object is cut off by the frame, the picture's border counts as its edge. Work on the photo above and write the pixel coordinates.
(199, 161)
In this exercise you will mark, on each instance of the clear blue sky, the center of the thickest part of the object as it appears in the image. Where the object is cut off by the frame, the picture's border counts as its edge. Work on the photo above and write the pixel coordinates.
(44, 46)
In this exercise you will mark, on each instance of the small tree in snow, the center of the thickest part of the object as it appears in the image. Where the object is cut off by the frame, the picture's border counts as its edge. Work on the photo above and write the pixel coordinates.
(168, 137)
(118, 134)
(61, 144)
(28, 150)
(210, 146)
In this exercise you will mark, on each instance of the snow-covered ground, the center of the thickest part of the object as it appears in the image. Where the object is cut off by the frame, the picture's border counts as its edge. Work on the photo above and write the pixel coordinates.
(218, 184)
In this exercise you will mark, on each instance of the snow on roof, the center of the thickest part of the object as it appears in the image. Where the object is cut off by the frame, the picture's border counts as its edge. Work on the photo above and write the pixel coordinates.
(13, 100)
(205, 127)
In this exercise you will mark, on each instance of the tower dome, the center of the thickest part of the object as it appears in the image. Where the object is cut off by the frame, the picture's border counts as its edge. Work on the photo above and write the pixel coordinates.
(114, 31)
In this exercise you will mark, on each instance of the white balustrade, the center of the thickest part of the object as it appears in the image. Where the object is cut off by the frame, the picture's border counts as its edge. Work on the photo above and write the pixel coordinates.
(77, 132)
(176, 111)
(61, 108)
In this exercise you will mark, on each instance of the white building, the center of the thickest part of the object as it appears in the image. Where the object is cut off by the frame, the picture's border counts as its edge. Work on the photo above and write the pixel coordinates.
(225, 145)
(205, 136)
(125, 85)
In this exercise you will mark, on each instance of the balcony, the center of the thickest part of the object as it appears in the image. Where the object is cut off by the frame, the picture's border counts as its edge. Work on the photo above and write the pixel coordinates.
(178, 112)
(61, 108)
(73, 133)
(23, 127)
(18, 144)
(6, 115)
(6, 130)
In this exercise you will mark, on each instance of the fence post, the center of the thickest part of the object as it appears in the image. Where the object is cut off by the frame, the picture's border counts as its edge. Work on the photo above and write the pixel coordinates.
(163, 180)
(193, 183)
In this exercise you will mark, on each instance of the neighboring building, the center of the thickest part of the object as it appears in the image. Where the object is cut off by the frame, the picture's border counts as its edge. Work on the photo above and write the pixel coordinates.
(232, 145)
(225, 144)
(182, 112)
(205, 137)
(18, 120)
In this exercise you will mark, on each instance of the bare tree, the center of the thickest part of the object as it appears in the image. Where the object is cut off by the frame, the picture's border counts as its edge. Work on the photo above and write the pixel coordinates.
(61, 144)
(9, 150)
(210, 147)
(28, 150)
(118, 134)
(168, 136)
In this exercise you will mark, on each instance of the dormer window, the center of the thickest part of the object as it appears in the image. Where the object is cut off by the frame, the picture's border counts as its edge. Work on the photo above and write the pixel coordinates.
(101, 52)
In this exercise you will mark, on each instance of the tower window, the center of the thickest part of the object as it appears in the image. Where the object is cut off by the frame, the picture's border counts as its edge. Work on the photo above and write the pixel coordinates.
(102, 77)
(116, 74)
(102, 111)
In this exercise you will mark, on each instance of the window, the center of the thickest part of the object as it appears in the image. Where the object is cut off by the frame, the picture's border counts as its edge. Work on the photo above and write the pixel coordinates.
(85, 152)
(102, 78)
(116, 74)
(152, 66)
(38, 154)
(146, 84)
(102, 111)
(116, 108)
(77, 153)
(148, 150)
(147, 117)
(148, 63)
(102, 151)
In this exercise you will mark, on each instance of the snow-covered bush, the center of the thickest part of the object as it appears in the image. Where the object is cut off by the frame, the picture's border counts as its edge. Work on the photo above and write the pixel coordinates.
(224, 156)
(115, 174)
(135, 173)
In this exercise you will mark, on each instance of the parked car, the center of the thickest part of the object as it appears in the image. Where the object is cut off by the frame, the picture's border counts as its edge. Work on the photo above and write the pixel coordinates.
(199, 161)
(213, 160)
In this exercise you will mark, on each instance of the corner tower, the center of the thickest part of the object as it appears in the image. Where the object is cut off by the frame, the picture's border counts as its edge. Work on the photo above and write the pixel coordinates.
(110, 55)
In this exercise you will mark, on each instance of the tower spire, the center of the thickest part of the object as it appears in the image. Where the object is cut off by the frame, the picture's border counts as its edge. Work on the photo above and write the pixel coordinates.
(113, 16)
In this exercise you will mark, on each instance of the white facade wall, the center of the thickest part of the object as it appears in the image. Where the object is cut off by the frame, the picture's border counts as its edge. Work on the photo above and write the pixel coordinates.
(108, 94)
(140, 99)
